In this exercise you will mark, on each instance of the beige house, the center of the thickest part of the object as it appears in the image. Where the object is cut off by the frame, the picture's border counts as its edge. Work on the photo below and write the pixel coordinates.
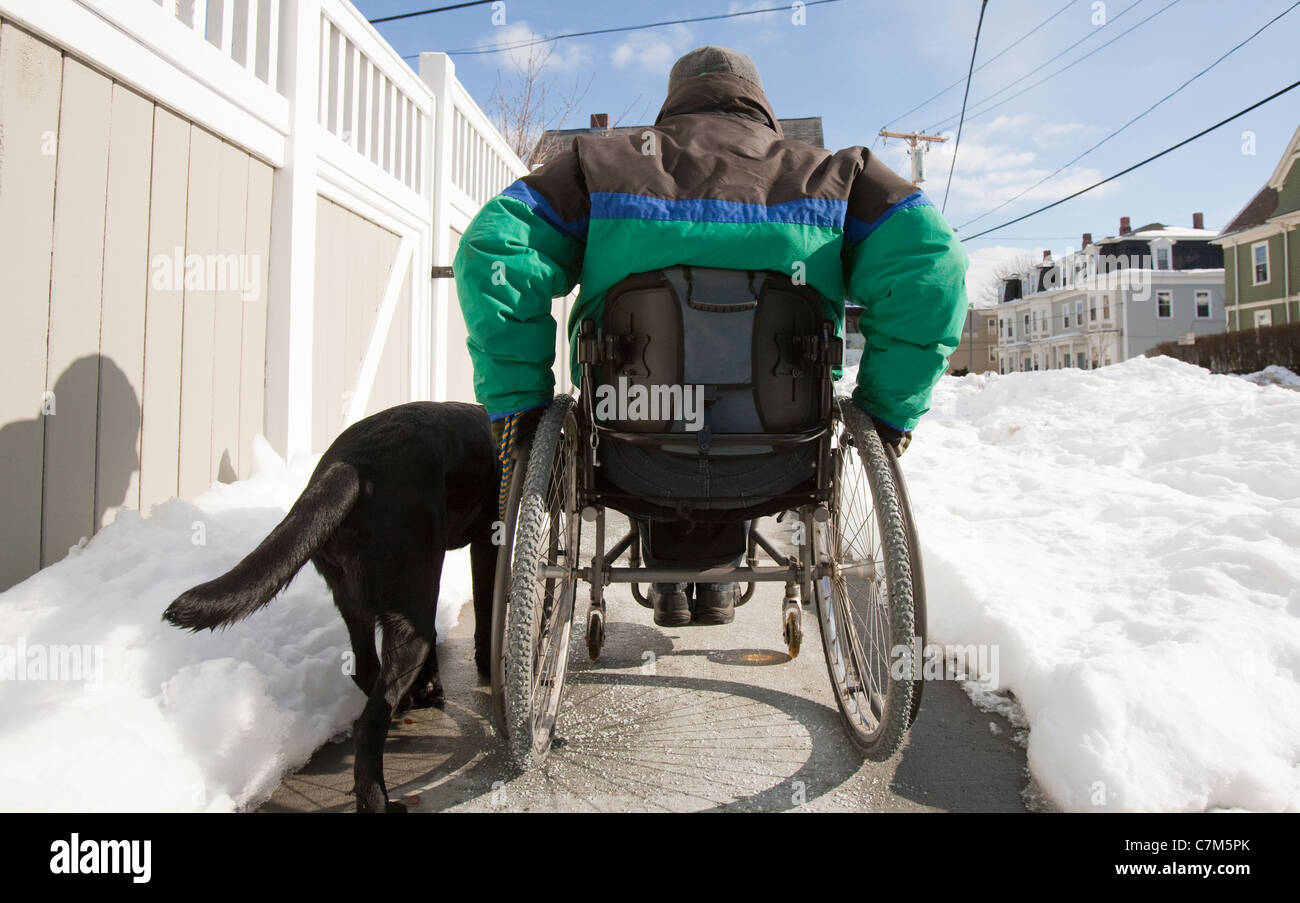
(978, 351)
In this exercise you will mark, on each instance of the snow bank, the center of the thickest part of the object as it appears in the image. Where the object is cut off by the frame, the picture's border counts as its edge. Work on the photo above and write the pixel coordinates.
(1274, 375)
(170, 720)
(1129, 537)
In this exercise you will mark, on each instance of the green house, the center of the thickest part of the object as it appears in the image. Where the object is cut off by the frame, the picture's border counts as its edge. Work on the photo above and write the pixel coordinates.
(1261, 260)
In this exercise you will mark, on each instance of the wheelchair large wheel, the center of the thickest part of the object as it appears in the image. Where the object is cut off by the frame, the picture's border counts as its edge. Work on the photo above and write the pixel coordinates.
(866, 602)
(539, 609)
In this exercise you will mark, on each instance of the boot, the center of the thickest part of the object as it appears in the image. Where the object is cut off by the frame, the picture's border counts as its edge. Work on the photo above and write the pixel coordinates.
(671, 605)
(715, 603)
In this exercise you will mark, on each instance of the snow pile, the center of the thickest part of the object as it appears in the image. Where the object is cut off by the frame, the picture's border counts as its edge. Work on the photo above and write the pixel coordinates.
(168, 720)
(1129, 537)
(1274, 375)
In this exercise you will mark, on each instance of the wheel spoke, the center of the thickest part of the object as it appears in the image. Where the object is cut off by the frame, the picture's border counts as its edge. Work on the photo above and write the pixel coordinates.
(856, 604)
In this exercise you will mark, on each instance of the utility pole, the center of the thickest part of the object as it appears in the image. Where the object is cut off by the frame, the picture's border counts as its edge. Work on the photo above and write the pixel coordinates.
(915, 141)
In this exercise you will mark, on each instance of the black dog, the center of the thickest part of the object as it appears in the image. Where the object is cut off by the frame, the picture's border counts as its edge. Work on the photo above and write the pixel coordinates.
(390, 496)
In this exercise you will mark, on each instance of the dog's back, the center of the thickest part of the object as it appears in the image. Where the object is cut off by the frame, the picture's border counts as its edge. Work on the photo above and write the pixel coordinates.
(391, 492)
(427, 479)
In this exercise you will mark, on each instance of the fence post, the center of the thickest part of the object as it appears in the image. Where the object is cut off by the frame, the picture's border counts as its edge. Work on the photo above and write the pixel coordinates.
(292, 295)
(439, 73)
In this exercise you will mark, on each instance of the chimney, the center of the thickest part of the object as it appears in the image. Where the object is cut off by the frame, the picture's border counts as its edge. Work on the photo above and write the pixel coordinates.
(1087, 240)
(600, 121)
(1047, 256)
(1124, 226)
(1198, 220)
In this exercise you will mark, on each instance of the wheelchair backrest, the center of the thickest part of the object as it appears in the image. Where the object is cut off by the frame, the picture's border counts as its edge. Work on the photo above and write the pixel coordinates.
(754, 346)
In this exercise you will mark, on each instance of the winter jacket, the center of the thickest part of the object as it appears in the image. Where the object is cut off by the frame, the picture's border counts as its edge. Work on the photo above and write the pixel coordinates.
(713, 183)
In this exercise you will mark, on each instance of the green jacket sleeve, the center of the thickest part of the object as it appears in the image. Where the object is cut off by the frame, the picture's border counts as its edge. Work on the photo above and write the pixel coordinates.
(517, 254)
(907, 271)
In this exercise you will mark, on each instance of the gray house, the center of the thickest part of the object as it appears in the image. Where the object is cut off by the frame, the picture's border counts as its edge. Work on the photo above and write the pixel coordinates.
(1114, 300)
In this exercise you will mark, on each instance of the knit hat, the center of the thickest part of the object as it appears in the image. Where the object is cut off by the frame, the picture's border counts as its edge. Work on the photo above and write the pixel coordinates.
(713, 59)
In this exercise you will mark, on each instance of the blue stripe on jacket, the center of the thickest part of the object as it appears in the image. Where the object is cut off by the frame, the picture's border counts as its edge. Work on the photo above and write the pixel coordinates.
(855, 229)
(521, 191)
(806, 211)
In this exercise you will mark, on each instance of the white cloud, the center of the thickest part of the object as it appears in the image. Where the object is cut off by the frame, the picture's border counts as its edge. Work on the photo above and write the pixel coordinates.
(560, 56)
(654, 51)
(765, 27)
(994, 164)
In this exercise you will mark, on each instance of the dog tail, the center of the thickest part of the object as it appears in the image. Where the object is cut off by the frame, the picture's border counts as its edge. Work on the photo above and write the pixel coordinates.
(266, 570)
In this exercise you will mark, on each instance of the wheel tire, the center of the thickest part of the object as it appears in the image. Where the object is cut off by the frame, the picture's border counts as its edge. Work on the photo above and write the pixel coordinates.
(918, 576)
(546, 520)
(877, 734)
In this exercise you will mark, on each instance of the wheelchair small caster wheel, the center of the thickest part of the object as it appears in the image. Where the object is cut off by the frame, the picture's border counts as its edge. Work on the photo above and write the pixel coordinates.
(595, 632)
(792, 626)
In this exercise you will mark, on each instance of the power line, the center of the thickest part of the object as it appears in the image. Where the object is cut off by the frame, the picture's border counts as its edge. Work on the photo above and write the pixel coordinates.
(983, 64)
(1073, 64)
(426, 12)
(1138, 165)
(545, 39)
(1044, 64)
(1141, 115)
(971, 71)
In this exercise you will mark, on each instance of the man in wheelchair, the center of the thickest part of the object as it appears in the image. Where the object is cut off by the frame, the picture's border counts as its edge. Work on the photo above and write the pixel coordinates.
(714, 256)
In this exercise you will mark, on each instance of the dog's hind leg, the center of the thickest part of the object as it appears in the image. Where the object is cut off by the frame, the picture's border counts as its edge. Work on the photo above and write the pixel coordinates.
(361, 630)
(427, 691)
(406, 648)
(483, 568)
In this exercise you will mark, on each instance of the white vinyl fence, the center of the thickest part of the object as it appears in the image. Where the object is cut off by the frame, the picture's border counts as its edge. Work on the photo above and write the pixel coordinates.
(217, 219)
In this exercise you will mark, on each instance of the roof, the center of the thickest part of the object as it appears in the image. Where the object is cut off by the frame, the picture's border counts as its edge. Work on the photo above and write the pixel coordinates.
(806, 128)
(1289, 158)
(1263, 205)
(1256, 212)
(1159, 230)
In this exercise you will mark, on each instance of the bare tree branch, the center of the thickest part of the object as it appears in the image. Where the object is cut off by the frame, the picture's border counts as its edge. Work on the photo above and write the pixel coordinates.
(527, 104)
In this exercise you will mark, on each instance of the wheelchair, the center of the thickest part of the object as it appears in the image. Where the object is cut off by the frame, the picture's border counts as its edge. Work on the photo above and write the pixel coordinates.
(773, 446)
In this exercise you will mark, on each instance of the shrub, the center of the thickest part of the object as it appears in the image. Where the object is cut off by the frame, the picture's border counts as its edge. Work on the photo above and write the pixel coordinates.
(1246, 351)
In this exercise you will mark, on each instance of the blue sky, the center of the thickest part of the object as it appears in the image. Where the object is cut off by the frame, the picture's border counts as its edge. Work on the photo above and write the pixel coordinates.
(860, 63)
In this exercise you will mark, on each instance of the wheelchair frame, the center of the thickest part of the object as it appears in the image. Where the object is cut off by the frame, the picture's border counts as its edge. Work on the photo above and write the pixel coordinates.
(817, 572)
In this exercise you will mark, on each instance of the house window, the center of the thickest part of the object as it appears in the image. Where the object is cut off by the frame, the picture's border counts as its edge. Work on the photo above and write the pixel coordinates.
(1162, 258)
(1202, 305)
(1092, 308)
(1078, 312)
(1065, 317)
(993, 355)
(1259, 252)
(1035, 321)
(1026, 324)
(990, 326)
(1164, 305)
(1263, 318)
(1079, 360)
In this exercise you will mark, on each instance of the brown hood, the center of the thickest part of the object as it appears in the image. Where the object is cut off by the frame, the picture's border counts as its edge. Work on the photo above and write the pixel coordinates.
(722, 94)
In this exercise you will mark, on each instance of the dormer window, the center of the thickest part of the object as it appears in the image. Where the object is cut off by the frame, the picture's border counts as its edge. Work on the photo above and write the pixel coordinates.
(1162, 253)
